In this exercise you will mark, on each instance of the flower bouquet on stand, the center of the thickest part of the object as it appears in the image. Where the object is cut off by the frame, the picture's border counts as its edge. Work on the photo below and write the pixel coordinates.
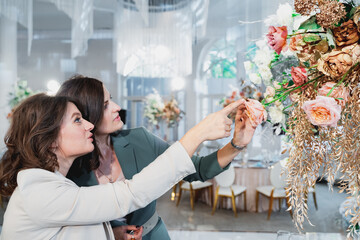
(154, 109)
(172, 113)
(318, 95)
(21, 92)
(172, 116)
(159, 112)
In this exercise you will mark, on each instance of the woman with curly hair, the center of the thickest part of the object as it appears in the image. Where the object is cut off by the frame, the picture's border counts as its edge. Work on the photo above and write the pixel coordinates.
(45, 137)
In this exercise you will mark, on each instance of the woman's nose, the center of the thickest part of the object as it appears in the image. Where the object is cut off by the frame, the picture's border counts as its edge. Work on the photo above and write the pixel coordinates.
(116, 107)
(88, 125)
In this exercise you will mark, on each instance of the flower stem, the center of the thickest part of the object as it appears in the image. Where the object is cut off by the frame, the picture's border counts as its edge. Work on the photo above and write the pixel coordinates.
(342, 79)
(284, 94)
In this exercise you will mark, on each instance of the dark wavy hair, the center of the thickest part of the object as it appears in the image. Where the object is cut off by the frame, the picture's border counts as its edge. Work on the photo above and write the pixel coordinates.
(89, 92)
(35, 126)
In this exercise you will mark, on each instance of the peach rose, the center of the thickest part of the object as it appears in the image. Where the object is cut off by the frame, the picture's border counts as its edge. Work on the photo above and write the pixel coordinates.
(277, 38)
(296, 43)
(339, 92)
(335, 63)
(255, 111)
(353, 51)
(323, 111)
(299, 75)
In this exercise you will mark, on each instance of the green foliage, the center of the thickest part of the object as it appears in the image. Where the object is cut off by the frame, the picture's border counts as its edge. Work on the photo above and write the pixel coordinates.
(310, 24)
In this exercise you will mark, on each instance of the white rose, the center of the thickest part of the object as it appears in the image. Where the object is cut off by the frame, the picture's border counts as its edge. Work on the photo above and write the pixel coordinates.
(284, 15)
(265, 73)
(255, 78)
(271, 20)
(288, 53)
(276, 114)
(263, 57)
(261, 43)
(248, 66)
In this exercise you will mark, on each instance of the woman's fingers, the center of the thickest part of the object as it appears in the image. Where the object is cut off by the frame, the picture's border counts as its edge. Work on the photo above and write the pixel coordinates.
(229, 108)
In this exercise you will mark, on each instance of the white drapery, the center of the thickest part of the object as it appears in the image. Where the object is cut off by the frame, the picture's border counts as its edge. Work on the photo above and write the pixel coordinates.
(154, 38)
(20, 11)
(81, 13)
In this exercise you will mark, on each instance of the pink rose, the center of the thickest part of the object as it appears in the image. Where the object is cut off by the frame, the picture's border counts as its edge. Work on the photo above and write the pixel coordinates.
(277, 38)
(255, 111)
(299, 75)
(323, 111)
(339, 92)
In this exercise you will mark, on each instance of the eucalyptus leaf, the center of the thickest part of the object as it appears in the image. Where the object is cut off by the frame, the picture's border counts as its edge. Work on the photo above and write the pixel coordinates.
(310, 24)
(309, 38)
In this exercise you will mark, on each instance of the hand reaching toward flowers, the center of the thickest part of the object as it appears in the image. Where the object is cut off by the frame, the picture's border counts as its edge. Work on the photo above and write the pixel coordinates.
(214, 126)
(244, 130)
(248, 116)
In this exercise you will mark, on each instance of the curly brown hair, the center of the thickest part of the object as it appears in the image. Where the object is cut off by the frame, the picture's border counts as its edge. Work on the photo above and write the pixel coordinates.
(35, 126)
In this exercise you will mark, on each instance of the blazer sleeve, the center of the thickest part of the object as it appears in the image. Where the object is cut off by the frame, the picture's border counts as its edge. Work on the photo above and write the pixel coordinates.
(56, 201)
(207, 167)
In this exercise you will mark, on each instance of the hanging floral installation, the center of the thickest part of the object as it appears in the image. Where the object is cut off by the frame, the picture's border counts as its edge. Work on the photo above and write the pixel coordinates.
(21, 92)
(157, 110)
(310, 67)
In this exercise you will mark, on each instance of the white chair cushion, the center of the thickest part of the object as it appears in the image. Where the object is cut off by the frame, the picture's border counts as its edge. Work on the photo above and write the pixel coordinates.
(266, 190)
(195, 185)
(226, 191)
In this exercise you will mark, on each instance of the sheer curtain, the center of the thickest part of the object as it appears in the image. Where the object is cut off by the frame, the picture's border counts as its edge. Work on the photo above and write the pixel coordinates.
(8, 70)
(19, 11)
(81, 13)
(154, 38)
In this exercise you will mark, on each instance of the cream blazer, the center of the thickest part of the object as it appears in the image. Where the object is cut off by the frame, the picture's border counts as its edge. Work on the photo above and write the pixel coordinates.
(46, 205)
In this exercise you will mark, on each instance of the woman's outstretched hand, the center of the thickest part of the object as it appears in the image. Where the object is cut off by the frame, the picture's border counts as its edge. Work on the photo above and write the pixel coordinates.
(218, 125)
(244, 130)
(214, 126)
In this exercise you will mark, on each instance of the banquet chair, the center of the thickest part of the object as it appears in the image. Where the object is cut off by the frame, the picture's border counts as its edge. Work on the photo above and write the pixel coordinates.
(274, 191)
(174, 194)
(227, 189)
(193, 187)
(312, 191)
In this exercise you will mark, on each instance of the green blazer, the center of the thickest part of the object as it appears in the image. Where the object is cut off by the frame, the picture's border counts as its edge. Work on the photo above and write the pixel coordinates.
(135, 149)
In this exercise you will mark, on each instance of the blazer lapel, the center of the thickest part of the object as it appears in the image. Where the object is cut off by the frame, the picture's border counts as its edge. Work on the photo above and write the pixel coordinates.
(125, 154)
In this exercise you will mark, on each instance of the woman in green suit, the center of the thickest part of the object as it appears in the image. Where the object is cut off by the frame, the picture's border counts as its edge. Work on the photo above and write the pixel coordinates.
(119, 155)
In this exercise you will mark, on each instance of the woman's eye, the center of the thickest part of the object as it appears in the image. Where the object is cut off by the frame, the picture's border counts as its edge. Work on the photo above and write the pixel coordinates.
(106, 105)
(77, 120)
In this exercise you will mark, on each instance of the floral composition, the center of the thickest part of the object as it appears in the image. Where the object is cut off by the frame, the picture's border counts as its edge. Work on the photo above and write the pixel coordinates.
(172, 113)
(21, 92)
(310, 67)
(156, 110)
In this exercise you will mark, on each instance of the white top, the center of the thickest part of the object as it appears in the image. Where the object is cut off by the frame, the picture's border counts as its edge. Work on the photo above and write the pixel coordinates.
(46, 205)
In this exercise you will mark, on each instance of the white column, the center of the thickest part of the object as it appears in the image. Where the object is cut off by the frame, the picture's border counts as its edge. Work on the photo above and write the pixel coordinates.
(8, 71)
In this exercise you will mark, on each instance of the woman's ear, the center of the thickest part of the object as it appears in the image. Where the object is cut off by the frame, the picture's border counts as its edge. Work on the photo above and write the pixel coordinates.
(54, 146)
